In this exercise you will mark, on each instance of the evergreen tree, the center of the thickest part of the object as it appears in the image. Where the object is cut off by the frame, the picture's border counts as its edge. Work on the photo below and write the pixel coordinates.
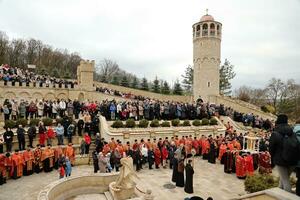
(115, 80)
(187, 81)
(165, 88)
(226, 75)
(55, 73)
(177, 88)
(124, 81)
(156, 86)
(67, 75)
(135, 83)
(144, 84)
(103, 78)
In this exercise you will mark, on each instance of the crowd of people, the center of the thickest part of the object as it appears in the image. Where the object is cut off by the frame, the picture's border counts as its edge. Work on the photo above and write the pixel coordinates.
(21, 76)
(35, 160)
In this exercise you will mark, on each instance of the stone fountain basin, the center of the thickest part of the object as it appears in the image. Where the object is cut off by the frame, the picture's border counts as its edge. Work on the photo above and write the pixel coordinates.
(67, 188)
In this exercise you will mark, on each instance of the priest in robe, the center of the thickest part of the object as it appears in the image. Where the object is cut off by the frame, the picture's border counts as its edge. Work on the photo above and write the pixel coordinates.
(189, 172)
(8, 163)
(29, 161)
(265, 163)
(58, 152)
(180, 173)
(249, 167)
(48, 159)
(37, 153)
(2, 169)
(227, 159)
(18, 163)
(70, 153)
(205, 149)
(212, 152)
(175, 166)
(222, 150)
(240, 167)
(157, 157)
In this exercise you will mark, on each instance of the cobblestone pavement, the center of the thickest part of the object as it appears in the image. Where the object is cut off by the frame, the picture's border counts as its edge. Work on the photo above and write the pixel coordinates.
(209, 180)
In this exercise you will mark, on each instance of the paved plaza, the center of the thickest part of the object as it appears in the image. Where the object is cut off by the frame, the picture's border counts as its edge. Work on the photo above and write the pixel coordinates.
(209, 180)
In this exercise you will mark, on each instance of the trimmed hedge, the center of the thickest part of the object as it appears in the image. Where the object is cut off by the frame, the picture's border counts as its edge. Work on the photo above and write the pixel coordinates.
(175, 122)
(204, 122)
(165, 124)
(22, 122)
(259, 182)
(10, 124)
(213, 121)
(154, 123)
(130, 123)
(47, 121)
(34, 122)
(117, 124)
(186, 123)
(143, 123)
(196, 122)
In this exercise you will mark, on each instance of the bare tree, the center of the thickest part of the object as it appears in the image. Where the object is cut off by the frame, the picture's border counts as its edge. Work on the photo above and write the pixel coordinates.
(274, 91)
(4, 41)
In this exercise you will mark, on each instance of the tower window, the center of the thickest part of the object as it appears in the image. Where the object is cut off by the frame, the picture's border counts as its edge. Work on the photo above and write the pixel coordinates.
(198, 30)
(204, 30)
(218, 30)
(212, 29)
(208, 84)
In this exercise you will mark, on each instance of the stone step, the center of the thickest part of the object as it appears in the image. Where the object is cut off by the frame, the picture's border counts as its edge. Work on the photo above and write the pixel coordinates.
(108, 195)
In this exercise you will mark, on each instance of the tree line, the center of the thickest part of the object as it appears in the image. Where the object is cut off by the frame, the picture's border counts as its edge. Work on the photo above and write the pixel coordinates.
(58, 63)
(277, 97)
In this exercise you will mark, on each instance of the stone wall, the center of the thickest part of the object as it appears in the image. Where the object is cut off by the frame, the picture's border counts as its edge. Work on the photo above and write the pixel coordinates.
(32, 92)
(241, 106)
(151, 95)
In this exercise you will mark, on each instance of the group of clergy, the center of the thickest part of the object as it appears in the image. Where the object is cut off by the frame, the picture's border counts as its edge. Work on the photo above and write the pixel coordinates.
(24, 163)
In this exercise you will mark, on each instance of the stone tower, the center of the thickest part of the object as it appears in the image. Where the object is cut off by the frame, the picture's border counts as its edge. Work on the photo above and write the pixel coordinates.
(85, 74)
(206, 57)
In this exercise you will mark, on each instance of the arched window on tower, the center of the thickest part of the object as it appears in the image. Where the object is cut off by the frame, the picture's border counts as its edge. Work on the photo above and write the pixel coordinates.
(193, 31)
(198, 31)
(204, 30)
(212, 29)
(208, 84)
(218, 30)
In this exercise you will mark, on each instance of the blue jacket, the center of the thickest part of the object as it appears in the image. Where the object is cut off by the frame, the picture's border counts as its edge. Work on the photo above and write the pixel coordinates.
(297, 132)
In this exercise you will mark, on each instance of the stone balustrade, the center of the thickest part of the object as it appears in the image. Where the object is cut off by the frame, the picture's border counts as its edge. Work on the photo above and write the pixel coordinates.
(66, 188)
(130, 134)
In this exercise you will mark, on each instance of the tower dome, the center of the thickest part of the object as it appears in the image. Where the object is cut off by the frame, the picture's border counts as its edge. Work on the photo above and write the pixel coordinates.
(207, 17)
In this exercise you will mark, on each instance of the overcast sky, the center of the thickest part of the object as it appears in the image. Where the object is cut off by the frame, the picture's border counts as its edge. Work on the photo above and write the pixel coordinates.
(154, 38)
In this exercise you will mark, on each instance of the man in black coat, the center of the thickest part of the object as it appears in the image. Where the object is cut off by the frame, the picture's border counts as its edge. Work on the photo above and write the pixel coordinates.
(189, 172)
(31, 134)
(281, 132)
(21, 137)
(150, 158)
(8, 138)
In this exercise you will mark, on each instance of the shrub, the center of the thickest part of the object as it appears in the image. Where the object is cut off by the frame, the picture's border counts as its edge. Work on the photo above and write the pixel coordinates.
(143, 123)
(154, 123)
(213, 121)
(22, 122)
(175, 122)
(259, 182)
(34, 122)
(10, 124)
(165, 124)
(186, 123)
(204, 122)
(117, 124)
(130, 123)
(47, 121)
(196, 122)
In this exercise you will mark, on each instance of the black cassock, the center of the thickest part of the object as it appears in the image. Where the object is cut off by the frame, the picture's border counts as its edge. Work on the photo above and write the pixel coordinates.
(180, 174)
(189, 172)
(228, 162)
(46, 165)
(212, 154)
(175, 170)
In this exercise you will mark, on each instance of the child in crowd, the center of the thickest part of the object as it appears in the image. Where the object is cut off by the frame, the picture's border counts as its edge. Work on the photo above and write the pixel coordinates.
(82, 147)
(107, 157)
(68, 167)
(61, 171)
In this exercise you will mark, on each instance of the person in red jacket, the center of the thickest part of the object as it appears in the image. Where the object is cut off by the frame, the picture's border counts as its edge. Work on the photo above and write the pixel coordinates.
(50, 135)
(164, 156)
(87, 140)
(157, 157)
